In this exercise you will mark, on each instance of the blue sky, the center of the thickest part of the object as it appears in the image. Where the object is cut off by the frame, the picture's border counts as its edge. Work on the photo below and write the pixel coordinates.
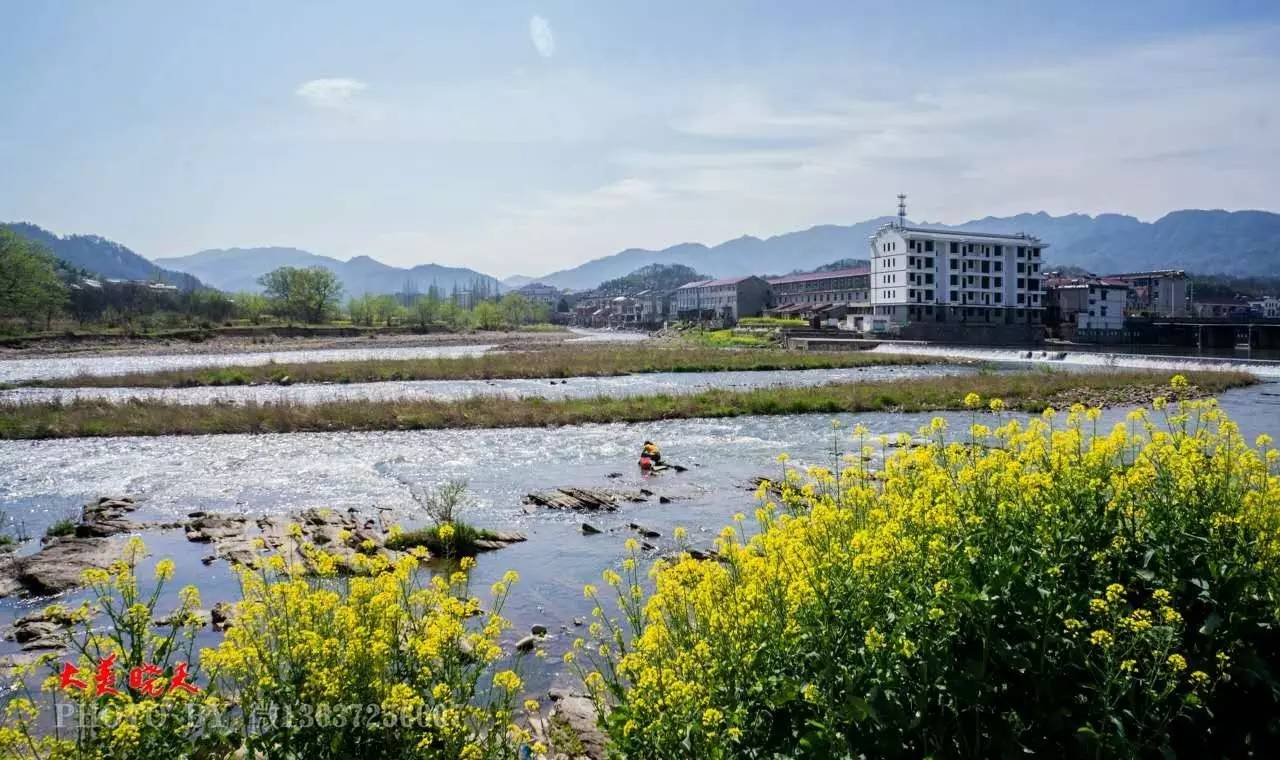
(526, 137)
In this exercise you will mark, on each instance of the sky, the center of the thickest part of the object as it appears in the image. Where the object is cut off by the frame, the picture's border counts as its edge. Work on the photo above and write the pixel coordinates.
(522, 138)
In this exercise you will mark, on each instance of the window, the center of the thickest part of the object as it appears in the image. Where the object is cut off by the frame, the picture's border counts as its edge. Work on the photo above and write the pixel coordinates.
(928, 262)
(955, 247)
(928, 295)
(955, 296)
(1022, 251)
(986, 267)
(986, 282)
(955, 280)
(997, 250)
(1022, 298)
(998, 265)
(928, 278)
(955, 263)
(999, 297)
(928, 246)
(999, 282)
(1022, 283)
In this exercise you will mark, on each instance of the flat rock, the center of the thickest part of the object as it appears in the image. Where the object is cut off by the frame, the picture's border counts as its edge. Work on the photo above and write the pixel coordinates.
(584, 499)
(58, 566)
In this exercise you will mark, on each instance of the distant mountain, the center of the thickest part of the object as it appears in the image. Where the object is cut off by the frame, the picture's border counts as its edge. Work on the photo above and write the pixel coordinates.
(517, 281)
(102, 257)
(1235, 242)
(235, 269)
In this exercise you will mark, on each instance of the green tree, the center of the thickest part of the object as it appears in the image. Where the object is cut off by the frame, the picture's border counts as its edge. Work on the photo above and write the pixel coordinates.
(251, 306)
(386, 310)
(309, 295)
(426, 310)
(488, 316)
(361, 309)
(29, 285)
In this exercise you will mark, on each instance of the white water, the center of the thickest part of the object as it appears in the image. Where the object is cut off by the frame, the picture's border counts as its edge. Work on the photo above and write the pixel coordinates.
(1086, 359)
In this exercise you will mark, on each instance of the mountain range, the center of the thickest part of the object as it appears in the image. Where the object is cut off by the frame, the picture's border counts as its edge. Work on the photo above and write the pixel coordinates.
(1204, 242)
(1243, 243)
(102, 257)
(234, 269)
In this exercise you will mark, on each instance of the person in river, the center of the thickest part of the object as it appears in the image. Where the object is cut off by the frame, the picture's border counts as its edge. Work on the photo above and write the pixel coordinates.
(650, 456)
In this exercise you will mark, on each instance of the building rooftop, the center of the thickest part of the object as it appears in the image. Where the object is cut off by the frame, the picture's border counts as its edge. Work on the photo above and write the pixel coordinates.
(994, 237)
(812, 276)
(716, 283)
(1156, 273)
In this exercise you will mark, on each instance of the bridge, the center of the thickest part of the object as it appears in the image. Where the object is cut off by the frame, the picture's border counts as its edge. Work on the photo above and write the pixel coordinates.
(1210, 334)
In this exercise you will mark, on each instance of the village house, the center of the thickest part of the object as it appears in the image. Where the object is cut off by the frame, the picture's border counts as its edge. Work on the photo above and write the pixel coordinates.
(723, 301)
(1086, 308)
(1156, 294)
(825, 299)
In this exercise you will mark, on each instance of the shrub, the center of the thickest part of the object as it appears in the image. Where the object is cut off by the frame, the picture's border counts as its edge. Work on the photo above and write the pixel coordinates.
(377, 665)
(146, 717)
(1040, 588)
(444, 503)
(63, 527)
(449, 540)
(372, 666)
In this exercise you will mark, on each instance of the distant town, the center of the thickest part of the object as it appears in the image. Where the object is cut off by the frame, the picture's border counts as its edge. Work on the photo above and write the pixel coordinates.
(936, 285)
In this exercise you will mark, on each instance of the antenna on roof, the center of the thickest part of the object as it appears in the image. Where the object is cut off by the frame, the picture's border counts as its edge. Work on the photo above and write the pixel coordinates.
(902, 210)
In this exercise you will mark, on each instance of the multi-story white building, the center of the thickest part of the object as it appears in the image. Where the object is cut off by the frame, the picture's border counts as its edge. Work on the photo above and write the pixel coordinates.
(927, 275)
(1267, 307)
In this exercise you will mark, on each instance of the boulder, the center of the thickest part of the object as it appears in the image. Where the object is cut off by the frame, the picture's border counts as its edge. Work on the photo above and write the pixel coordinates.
(589, 529)
(58, 566)
(578, 714)
(646, 532)
(220, 616)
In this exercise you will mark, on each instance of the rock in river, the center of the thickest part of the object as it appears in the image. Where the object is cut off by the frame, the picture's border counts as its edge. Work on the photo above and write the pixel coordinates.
(58, 566)
(584, 499)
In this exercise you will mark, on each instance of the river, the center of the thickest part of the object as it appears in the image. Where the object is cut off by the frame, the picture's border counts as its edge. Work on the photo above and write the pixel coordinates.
(41, 481)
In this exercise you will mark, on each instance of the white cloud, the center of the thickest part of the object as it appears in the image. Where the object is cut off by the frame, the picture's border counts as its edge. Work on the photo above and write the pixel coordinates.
(540, 33)
(336, 93)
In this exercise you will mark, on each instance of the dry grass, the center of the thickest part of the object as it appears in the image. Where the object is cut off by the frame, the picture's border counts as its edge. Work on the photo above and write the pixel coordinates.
(1031, 391)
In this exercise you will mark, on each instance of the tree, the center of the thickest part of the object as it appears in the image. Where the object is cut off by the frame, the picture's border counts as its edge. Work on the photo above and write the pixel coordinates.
(29, 285)
(487, 316)
(426, 310)
(251, 306)
(386, 309)
(309, 295)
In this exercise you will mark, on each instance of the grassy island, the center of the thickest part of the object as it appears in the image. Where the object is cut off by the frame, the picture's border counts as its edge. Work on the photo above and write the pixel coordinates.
(1029, 391)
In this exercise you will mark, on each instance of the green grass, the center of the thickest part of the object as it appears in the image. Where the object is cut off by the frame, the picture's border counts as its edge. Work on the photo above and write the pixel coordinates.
(63, 527)
(771, 322)
(731, 339)
(462, 543)
(553, 362)
(1029, 391)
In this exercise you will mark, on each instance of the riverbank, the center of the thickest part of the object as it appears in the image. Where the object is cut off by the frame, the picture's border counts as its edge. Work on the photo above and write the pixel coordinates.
(238, 339)
(552, 361)
(1023, 391)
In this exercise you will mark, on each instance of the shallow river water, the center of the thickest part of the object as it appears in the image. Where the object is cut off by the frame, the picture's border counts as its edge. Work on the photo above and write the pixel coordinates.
(444, 390)
(41, 481)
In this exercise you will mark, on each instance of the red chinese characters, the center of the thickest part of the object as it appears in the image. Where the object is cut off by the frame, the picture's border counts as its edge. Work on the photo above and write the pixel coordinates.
(147, 679)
